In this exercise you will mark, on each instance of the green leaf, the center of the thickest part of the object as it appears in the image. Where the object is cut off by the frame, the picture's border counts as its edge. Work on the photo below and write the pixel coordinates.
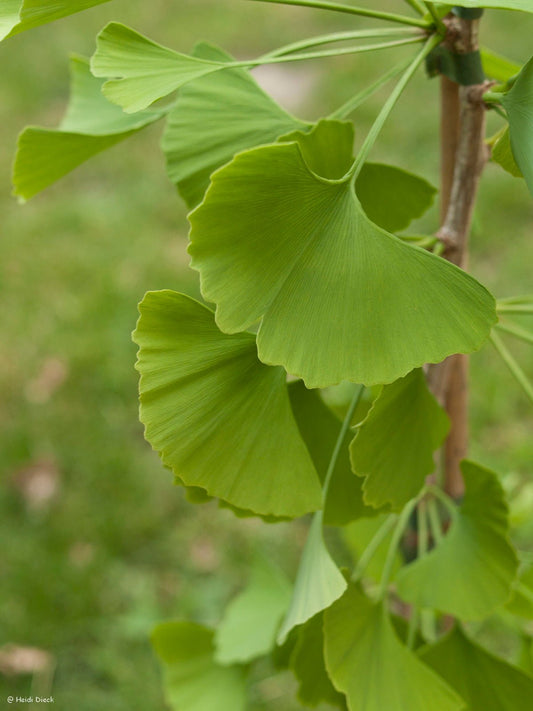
(219, 418)
(146, 71)
(367, 662)
(318, 583)
(498, 67)
(215, 118)
(193, 681)
(19, 15)
(471, 571)
(341, 299)
(392, 197)
(319, 429)
(358, 534)
(524, 5)
(518, 102)
(90, 125)
(308, 664)
(251, 620)
(393, 448)
(484, 681)
(521, 601)
(503, 154)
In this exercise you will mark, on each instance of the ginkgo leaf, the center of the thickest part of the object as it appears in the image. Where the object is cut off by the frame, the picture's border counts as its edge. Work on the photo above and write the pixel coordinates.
(308, 665)
(471, 571)
(215, 118)
(485, 682)
(519, 105)
(318, 583)
(340, 298)
(524, 5)
(392, 197)
(498, 67)
(393, 448)
(503, 155)
(251, 620)
(219, 418)
(140, 71)
(521, 600)
(19, 15)
(319, 429)
(193, 680)
(90, 125)
(367, 662)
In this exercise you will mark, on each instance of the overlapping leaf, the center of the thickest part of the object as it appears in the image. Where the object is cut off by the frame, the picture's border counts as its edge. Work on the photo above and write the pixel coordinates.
(367, 662)
(90, 125)
(392, 197)
(193, 680)
(485, 682)
(471, 571)
(319, 429)
(251, 620)
(19, 15)
(524, 5)
(318, 583)
(215, 118)
(521, 601)
(146, 71)
(219, 418)
(519, 105)
(393, 448)
(308, 664)
(503, 155)
(340, 298)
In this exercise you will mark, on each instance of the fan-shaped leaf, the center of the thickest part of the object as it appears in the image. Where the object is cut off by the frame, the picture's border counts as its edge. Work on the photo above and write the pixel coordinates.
(471, 571)
(146, 71)
(220, 419)
(393, 448)
(193, 681)
(90, 125)
(19, 15)
(319, 429)
(341, 299)
(519, 105)
(318, 584)
(215, 118)
(367, 662)
(307, 663)
(251, 620)
(392, 197)
(484, 681)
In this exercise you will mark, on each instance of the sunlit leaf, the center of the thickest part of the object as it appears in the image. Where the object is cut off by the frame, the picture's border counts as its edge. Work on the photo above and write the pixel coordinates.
(519, 105)
(251, 620)
(524, 5)
(341, 299)
(394, 447)
(215, 118)
(307, 663)
(193, 680)
(319, 429)
(484, 681)
(503, 154)
(368, 663)
(392, 197)
(471, 571)
(19, 15)
(219, 418)
(90, 125)
(318, 583)
(140, 71)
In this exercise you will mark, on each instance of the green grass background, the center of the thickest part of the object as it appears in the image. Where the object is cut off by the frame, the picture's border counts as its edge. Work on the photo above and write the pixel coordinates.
(116, 549)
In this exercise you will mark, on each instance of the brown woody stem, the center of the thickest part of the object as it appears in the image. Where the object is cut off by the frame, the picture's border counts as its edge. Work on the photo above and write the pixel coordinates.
(463, 159)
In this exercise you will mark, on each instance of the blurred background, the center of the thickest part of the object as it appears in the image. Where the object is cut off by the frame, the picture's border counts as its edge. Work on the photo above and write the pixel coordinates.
(96, 543)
